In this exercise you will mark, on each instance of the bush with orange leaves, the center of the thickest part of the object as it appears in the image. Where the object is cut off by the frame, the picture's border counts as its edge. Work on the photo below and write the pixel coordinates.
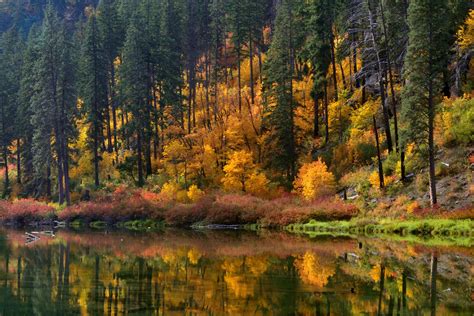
(315, 181)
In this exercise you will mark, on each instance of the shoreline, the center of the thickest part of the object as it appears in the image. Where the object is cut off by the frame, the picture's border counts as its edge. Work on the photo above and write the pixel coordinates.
(435, 232)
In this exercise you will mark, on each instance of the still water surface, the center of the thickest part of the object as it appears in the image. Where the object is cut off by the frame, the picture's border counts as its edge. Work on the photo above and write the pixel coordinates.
(179, 272)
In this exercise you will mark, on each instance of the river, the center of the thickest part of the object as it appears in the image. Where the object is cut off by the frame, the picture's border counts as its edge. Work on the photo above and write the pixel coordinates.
(188, 272)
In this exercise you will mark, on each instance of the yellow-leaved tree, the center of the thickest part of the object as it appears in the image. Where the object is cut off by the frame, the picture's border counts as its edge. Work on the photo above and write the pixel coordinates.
(241, 174)
(314, 181)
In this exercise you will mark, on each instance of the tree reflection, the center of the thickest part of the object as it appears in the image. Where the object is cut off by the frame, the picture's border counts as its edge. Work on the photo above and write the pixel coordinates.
(171, 273)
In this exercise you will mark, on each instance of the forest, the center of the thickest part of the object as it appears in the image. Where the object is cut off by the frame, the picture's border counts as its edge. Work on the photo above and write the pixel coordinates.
(270, 112)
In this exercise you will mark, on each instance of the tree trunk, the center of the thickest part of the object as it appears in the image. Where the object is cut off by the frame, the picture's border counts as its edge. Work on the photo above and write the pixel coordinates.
(96, 155)
(252, 91)
(316, 116)
(67, 190)
(239, 78)
(110, 147)
(402, 165)
(431, 145)
(334, 71)
(18, 161)
(141, 180)
(207, 79)
(6, 179)
(59, 154)
(343, 76)
(326, 111)
(379, 158)
(114, 104)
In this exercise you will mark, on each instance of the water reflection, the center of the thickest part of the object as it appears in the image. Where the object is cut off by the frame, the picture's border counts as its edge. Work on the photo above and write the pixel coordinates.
(237, 273)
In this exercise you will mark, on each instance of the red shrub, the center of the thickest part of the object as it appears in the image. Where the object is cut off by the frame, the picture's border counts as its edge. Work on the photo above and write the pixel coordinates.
(24, 211)
(120, 206)
(463, 213)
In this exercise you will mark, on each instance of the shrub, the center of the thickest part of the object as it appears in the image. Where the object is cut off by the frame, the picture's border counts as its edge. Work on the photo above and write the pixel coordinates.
(458, 121)
(258, 185)
(315, 181)
(24, 211)
(413, 207)
(195, 194)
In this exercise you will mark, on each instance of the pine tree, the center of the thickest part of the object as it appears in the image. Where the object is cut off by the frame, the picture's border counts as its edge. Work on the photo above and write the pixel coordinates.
(278, 82)
(54, 103)
(24, 110)
(318, 52)
(134, 80)
(171, 61)
(94, 80)
(10, 63)
(425, 62)
(111, 34)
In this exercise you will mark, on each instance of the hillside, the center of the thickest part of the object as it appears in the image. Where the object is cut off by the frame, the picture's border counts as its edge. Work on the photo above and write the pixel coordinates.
(228, 102)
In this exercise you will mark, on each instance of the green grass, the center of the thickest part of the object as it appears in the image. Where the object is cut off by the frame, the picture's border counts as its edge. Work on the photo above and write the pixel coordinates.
(434, 231)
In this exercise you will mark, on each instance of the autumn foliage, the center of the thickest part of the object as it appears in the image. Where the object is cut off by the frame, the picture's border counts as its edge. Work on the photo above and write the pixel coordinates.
(315, 181)
(24, 211)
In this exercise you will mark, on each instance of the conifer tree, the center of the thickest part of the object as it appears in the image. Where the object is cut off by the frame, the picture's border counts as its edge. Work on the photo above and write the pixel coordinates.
(94, 87)
(54, 103)
(134, 80)
(425, 62)
(10, 63)
(24, 110)
(171, 61)
(278, 81)
(318, 51)
(111, 34)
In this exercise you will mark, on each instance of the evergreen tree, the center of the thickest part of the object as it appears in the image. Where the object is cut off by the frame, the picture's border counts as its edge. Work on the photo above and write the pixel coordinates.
(111, 34)
(318, 52)
(24, 110)
(425, 62)
(10, 63)
(94, 87)
(278, 81)
(134, 80)
(54, 102)
(171, 61)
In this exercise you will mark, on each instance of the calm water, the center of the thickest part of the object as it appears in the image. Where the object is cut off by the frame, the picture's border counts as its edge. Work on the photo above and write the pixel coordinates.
(229, 273)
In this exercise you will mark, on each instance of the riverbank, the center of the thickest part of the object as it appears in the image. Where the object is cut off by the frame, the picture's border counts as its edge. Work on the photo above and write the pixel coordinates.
(137, 210)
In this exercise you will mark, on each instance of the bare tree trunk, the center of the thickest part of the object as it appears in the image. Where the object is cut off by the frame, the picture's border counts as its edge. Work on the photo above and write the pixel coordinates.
(386, 118)
(379, 158)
